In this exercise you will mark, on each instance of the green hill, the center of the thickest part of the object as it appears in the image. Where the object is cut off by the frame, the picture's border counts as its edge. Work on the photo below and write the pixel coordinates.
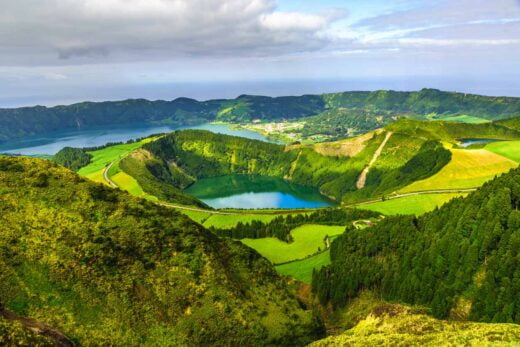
(360, 110)
(105, 268)
(460, 260)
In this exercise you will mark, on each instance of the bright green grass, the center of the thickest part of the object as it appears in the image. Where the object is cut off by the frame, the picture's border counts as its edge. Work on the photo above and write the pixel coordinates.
(225, 221)
(413, 205)
(465, 119)
(307, 240)
(101, 158)
(197, 216)
(508, 149)
(129, 184)
(468, 168)
(302, 270)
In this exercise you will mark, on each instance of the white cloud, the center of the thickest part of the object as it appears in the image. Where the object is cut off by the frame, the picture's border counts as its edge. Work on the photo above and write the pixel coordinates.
(36, 32)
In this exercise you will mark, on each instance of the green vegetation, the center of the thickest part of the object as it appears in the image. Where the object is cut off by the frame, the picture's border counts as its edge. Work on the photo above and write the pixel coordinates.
(462, 119)
(367, 110)
(103, 157)
(460, 260)
(508, 149)
(412, 205)
(154, 179)
(280, 227)
(372, 322)
(308, 240)
(105, 268)
(467, 169)
(72, 158)
(302, 269)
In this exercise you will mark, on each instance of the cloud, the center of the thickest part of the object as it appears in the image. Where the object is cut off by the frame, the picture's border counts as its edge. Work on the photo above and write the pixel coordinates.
(82, 31)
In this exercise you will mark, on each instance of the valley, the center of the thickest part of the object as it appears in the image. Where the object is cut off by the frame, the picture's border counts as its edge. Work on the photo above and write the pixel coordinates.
(304, 207)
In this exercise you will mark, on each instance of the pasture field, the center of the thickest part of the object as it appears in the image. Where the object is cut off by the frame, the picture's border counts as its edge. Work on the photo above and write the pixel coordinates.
(129, 184)
(101, 158)
(226, 221)
(412, 205)
(508, 149)
(468, 168)
(197, 216)
(302, 269)
(307, 239)
(465, 119)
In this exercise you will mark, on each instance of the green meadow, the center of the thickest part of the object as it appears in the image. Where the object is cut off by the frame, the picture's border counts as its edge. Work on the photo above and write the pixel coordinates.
(302, 269)
(308, 240)
(412, 205)
(508, 149)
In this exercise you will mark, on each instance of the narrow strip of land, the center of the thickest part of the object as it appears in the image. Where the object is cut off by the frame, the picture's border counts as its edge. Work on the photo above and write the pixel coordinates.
(363, 177)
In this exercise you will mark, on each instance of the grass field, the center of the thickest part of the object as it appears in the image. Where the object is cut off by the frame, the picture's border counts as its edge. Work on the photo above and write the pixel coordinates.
(413, 205)
(302, 269)
(101, 158)
(508, 149)
(467, 169)
(307, 240)
(224, 221)
(128, 183)
(464, 119)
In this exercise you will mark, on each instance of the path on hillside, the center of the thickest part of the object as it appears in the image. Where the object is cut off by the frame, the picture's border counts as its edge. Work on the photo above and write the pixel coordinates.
(105, 175)
(363, 177)
(38, 328)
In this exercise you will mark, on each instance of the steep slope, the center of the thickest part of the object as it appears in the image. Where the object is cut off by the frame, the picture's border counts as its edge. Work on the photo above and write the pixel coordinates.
(460, 260)
(108, 269)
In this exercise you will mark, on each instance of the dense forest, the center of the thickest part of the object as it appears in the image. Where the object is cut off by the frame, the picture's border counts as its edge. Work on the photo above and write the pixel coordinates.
(369, 110)
(461, 260)
(105, 268)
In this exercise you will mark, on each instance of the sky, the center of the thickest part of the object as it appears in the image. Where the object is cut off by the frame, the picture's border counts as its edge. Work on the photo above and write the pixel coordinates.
(64, 51)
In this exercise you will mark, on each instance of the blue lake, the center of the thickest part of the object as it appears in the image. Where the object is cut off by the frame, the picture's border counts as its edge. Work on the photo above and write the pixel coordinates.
(247, 191)
(51, 143)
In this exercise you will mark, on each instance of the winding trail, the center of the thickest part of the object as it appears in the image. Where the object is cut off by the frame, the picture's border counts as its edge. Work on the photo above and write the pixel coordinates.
(363, 177)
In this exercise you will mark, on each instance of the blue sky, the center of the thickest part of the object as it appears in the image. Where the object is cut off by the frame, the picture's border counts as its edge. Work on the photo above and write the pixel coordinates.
(62, 51)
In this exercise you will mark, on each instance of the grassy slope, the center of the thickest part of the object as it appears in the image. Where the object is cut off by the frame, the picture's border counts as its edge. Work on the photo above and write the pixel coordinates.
(368, 321)
(416, 204)
(467, 169)
(307, 239)
(302, 269)
(508, 149)
(464, 119)
(101, 158)
(109, 269)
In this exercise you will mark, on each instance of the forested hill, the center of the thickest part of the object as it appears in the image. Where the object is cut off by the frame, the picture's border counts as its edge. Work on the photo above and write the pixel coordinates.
(107, 269)
(183, 111)
(461, 260)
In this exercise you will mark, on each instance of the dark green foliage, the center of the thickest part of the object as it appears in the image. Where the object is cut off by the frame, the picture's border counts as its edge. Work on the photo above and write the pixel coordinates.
(72, 158)
(105, 268)
(428, 101)
(468, 249)
(281, 227)
(338, 123)
(157, 180)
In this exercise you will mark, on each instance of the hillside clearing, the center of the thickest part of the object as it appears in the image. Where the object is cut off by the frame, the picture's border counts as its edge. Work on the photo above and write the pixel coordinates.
(508, 149)
(302, 269)
(308, 240)
(467, 169)
(413, 205)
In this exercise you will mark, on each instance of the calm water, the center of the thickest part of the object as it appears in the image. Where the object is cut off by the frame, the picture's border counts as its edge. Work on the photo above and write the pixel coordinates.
(51, 143)
(468, 142)
(244, 191)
